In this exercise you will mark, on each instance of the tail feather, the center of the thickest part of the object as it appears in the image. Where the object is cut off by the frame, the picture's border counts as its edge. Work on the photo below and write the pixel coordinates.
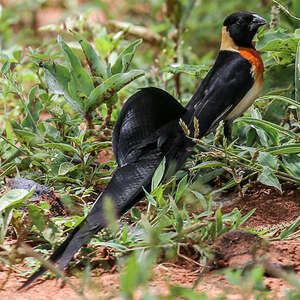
(124, 189)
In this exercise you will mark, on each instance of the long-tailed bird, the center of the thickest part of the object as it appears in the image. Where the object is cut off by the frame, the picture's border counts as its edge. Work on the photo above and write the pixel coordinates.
(148, 129)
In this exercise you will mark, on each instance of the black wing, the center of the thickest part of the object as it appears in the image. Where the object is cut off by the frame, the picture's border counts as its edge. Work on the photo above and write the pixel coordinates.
(140, 123)
(135, 144)
(223, 88)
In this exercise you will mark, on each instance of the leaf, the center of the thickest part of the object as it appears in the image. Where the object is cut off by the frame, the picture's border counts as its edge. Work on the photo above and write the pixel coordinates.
(112, 245)
(123, 61)
(48, 230)
(284, 149)
(158, 174)
(4, 223)
(9, 131)
(82, 78)
(95, 64)
(96, 147)
(109, 87)
(219, 221)
(280, 98)
(103, 46)
(255, 113)
(270, 128)
(65, 168)
(60, 146)
(150, 198)
(180, 188)
(14, 197)
(178, 292)
(266, 159)
(37, 217)
(198, 71)
(247, 216)
(292, 162)
(277, 41)
(6, 67)
(57, 79)
(290, 229)
(61, 75)
(33, 109)
(209, 164)
(268, 178)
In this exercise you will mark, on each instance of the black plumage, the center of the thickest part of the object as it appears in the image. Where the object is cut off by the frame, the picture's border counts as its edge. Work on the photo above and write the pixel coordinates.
(148, 128)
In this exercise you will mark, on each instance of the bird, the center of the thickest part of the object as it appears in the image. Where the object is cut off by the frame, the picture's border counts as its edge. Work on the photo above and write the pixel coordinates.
(148, 130)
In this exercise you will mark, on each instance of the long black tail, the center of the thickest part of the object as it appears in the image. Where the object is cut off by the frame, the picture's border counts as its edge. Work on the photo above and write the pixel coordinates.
(147, 130)
(124, 190)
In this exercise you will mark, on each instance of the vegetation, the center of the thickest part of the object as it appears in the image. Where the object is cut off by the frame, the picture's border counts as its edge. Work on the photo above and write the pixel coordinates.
(62, 87)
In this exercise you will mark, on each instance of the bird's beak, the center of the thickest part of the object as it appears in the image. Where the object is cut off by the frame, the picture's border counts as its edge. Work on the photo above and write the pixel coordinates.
(257, 22)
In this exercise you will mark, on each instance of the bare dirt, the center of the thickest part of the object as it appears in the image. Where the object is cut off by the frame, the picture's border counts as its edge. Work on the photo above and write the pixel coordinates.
(273, 211)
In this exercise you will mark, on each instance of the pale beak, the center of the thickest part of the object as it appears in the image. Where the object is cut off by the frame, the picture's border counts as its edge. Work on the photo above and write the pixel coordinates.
(257, 22)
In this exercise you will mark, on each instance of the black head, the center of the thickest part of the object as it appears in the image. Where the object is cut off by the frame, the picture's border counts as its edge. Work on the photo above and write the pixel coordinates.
(242, 27)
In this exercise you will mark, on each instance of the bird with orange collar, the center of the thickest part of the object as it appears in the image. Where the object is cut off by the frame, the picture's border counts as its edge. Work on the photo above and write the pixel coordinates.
(236, 78)
(148, 129)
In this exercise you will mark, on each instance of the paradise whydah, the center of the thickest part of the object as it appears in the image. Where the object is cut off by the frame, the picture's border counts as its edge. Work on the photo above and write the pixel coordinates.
(148, 129)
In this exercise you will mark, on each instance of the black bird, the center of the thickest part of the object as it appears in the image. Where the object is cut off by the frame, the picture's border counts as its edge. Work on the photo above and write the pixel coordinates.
(148, 127)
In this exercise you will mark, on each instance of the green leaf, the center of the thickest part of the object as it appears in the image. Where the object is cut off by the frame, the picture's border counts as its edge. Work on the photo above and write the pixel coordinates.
(255, 113)
(284, 149)
(65, 168)
(37, 217)
(209, 164)
(95, 64)
(33, 109)
(82, 78)
(61, 75)
(48, 230)
(26, 133)
(150, 198)
(6, 67)
(9, 131)
(266, 159)
(103, 46)
(198, 71)
(247, 216)
(14, 197)
(270, 128)
(277, 41)
(97, 147)
(5, 219)
(112, 245)
(180, 188)
(292, 162)
(58, 78)
(178, 292)
(158, 174)
(268, 178)
(60, 146)
(111, 86)
(123, 61)
(290, 229)
(280, 98)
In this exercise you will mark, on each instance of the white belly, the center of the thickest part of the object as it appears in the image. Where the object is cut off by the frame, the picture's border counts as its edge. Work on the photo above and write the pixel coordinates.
(246, 102)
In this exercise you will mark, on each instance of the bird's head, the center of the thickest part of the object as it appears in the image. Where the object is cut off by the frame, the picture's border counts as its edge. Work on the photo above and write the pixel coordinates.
(241, 27)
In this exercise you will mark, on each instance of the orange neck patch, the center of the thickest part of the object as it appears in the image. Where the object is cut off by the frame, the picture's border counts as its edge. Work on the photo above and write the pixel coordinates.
(254, 58)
